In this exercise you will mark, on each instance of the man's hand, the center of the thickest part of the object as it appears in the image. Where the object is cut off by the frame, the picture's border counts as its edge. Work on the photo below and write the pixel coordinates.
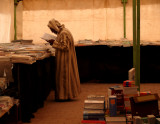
(50, 41)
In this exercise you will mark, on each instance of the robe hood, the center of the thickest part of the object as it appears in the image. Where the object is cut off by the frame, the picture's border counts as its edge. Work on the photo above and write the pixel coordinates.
(55, 25)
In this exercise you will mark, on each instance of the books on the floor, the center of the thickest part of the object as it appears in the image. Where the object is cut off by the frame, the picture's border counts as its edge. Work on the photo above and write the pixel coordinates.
(118, 92)
(94, 104)
(94, 108)
(93, 122)
(128, 83)
(151, 119)
(115, 120)
(131, 74)
(96, 97)
(129, 92)
(93, 117)
(157, 120)
(94, 112)
(137, 120)
(145, 105)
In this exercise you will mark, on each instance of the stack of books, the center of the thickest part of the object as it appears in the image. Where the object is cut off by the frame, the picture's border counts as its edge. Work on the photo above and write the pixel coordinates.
(118, 92)
(157, 120)
(94, 108)
(128, 93)
(128, 83)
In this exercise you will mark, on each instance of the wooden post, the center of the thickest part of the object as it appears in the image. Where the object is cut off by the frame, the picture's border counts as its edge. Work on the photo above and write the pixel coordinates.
(136, 41)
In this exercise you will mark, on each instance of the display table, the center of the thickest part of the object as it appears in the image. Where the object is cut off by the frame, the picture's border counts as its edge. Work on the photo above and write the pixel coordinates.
(11, 115)
(33, 73)
(110, 62)
(35, 82)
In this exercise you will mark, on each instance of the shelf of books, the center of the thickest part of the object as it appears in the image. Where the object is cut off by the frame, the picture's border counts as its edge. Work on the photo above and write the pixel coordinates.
(3, 112)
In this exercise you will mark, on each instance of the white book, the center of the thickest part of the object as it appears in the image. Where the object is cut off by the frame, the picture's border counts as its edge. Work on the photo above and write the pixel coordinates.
(48, 37)
(93, 101)
(131, 74)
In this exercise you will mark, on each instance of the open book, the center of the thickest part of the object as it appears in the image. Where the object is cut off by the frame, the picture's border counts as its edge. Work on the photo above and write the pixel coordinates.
(48, 37)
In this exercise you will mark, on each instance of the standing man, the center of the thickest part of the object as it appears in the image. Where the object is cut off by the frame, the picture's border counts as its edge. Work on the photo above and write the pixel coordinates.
(67, 75)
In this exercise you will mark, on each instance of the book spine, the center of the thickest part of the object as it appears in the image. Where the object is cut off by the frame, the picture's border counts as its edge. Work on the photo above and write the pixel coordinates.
(99, 106)
(93, 117)
(112, 106)
(94, 114)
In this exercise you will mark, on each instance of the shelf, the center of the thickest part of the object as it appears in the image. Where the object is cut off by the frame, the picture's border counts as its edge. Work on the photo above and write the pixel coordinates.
(5, 111)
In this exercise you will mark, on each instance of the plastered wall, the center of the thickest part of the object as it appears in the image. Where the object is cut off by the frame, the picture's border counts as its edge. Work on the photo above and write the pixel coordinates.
(6, 21)
(19, 20)
(90, 19)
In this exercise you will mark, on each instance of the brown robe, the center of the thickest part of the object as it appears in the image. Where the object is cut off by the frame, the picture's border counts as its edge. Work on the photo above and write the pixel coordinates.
(67, 75)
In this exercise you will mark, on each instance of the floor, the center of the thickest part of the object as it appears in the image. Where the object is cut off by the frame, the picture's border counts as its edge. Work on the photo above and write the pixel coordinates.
(71, 112)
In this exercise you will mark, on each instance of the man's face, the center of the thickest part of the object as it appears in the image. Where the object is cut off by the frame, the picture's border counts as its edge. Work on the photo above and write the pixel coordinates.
(53, 31)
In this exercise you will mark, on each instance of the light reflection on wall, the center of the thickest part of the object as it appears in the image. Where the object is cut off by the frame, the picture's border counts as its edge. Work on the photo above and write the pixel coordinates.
(5, 28)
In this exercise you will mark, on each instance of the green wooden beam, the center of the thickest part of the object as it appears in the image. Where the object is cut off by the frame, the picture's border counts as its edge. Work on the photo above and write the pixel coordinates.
(138, 46)
(124, 16)
(15, 25)
(136, 41)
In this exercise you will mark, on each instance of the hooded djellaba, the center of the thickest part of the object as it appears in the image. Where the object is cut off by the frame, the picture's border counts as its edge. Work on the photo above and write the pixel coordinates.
(67, 75)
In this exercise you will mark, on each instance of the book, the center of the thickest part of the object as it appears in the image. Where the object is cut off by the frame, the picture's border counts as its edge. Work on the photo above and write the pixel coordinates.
(137, 120)
(115, 120)
(112, 105)
(48, 37)
(93, 122)
(157, 120)
(96, 97)
(151, 119)
(118, 92)
(94, 104)
(131, 74)
(93, 112)
(93, 117)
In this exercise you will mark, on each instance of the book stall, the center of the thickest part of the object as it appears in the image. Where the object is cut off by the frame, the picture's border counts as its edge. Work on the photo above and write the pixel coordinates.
(122, 104)
(22, 67)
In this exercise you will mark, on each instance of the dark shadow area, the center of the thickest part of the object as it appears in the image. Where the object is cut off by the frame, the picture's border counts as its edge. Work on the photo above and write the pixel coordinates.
(34, 81)
(111, 65)
(103, 63)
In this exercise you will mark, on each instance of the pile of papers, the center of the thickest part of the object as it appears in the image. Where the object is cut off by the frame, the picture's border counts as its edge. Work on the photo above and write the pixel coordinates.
(25, 53)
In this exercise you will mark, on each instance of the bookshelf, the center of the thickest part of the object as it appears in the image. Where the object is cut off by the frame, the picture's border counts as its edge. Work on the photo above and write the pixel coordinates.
(5, 111)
